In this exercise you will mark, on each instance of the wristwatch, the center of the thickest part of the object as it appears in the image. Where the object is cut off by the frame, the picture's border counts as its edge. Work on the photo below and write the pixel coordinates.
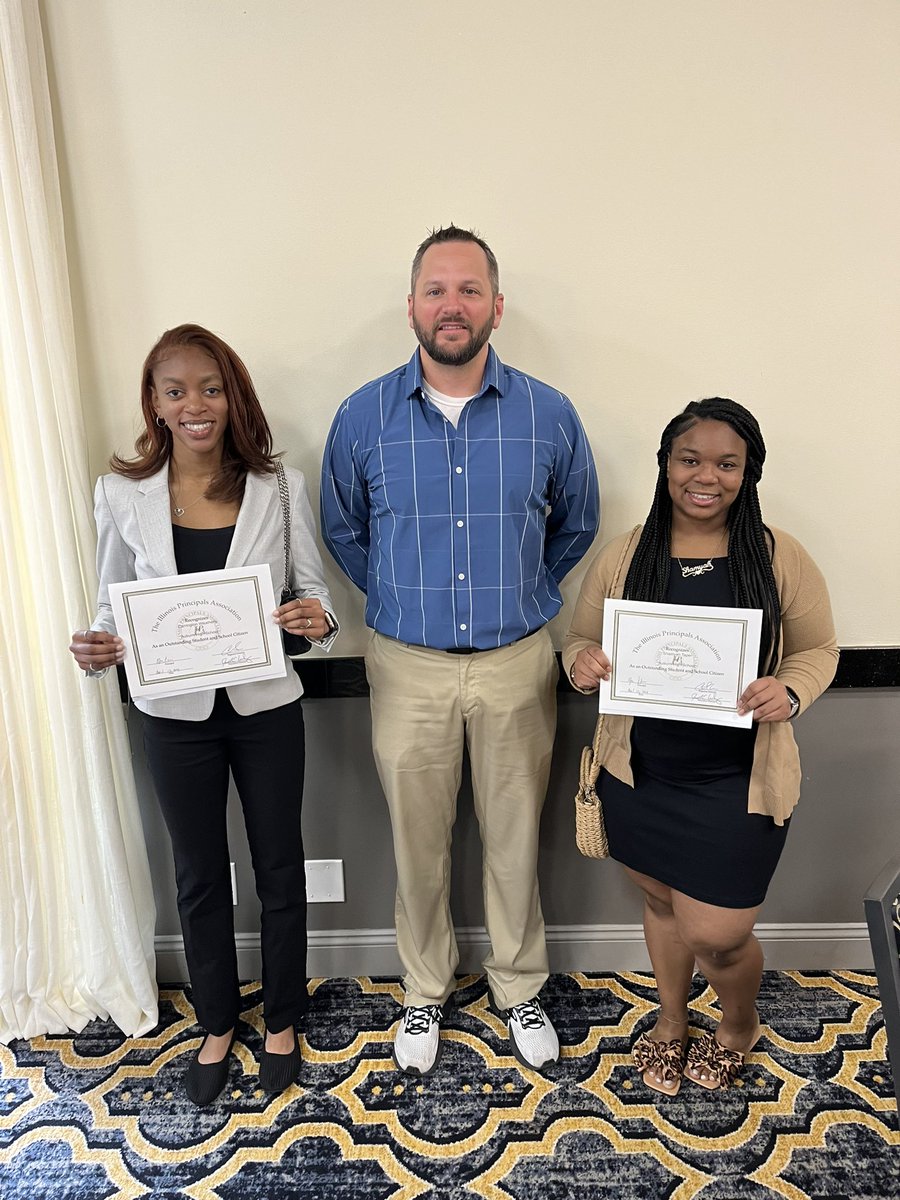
(795, 703)
(332, 626)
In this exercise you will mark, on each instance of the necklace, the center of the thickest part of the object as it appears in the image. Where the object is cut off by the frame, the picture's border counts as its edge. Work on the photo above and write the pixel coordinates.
(701, 568)
(686, 572)
(178, 510)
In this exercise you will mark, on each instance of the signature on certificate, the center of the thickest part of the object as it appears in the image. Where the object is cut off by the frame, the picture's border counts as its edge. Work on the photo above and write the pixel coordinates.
(707, 693)
(235, 656)
(636, 687)
(163, 665)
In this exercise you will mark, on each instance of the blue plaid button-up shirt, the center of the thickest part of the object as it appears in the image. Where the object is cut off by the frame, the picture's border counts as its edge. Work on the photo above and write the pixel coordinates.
(458, 537)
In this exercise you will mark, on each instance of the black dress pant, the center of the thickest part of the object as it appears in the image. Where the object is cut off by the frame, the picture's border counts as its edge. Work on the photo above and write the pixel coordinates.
(190, 763)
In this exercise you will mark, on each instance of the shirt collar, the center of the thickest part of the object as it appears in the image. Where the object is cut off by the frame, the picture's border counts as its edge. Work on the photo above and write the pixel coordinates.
(494, 374)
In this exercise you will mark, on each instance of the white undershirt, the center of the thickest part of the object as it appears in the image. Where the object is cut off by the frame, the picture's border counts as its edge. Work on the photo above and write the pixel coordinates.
(450, 406)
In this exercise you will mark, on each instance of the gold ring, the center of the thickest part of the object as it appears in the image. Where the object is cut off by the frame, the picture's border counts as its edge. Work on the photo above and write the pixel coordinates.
(309, 622)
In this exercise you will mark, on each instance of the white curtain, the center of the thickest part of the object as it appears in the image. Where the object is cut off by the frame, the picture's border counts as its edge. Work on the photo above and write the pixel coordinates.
(76, 902)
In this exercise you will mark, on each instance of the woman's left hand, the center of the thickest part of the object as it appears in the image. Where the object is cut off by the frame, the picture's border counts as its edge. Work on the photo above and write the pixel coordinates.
(767, 699)
(303, 617)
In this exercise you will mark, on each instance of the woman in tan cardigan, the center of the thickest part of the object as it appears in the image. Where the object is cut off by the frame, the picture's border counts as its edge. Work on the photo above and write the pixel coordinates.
(698, 814)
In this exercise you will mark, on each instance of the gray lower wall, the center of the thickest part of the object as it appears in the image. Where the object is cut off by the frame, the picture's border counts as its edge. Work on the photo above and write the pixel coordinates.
(845, 829)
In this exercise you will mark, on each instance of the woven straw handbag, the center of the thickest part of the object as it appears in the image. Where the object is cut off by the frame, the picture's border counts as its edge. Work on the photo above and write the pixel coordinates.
(590, 827)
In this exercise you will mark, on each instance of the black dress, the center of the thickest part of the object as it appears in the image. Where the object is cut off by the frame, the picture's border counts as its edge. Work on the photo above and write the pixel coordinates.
(685, 821)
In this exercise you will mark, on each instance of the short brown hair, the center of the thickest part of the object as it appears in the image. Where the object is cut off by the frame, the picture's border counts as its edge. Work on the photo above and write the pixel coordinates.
(453, 233)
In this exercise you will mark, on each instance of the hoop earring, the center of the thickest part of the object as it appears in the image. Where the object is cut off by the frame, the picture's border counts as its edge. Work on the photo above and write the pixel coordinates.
(160, 422)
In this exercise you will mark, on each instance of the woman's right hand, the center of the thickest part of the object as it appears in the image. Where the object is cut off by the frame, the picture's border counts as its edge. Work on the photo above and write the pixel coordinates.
(94, 650)
(590, 666)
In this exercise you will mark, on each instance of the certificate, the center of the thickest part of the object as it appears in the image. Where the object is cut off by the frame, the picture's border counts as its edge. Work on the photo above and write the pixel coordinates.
(194, 632)
(679, 661)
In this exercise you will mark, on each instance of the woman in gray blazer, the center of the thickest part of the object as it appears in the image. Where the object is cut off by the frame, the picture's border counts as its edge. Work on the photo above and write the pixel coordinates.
(202, 494)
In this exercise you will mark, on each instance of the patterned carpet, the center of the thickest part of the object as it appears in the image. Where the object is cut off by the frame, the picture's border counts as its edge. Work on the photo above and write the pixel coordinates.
(97, 1115)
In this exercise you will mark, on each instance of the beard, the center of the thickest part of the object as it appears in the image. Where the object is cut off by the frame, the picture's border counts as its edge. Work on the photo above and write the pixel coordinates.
(459, 353)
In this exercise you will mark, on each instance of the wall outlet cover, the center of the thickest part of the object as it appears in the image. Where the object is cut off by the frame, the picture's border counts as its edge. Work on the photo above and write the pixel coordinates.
(325, 881)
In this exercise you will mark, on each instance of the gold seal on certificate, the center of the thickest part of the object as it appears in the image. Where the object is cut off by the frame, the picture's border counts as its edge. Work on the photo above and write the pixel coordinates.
(191, 633)
(678, 661)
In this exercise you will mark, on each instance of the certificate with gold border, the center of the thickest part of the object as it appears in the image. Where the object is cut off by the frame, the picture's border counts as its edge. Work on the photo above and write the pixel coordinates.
(195, 632)
(679, 662)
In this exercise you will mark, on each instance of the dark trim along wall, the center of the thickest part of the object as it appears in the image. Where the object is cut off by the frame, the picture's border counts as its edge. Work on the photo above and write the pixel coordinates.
(332, 678)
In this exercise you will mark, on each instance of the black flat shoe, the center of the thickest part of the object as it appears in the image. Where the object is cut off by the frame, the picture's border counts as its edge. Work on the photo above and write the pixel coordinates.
(203, 1082)
(279, 1071)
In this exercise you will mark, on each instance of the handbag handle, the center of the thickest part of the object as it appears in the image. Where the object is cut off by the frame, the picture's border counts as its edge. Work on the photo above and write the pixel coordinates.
(295, 644)
(286, 521)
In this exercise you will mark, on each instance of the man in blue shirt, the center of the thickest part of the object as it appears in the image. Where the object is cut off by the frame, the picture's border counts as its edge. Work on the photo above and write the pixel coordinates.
(456, 493)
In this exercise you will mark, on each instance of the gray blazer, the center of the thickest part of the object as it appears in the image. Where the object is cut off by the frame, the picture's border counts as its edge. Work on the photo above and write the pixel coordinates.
(134, 541)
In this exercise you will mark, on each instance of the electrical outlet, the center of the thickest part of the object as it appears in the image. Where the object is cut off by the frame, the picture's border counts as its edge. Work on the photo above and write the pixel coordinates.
(233, 885)
(325, 880)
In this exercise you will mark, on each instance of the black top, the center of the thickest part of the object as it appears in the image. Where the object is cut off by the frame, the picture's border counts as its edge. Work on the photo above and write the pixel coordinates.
(201, 549)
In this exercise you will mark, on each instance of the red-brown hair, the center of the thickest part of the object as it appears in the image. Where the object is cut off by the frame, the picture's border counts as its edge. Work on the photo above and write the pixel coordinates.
(248, 439)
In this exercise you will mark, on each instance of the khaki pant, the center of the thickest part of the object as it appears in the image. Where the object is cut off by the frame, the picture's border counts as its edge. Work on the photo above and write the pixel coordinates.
(503, 703)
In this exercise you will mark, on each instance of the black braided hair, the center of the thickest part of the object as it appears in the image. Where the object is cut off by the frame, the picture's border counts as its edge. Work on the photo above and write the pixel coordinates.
(750, 542)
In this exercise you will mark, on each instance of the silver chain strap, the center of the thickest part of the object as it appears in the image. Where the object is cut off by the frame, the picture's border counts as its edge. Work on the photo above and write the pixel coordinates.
(286, 514)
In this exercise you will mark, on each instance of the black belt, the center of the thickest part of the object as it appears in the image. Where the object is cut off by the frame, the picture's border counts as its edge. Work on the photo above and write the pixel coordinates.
(482, 649)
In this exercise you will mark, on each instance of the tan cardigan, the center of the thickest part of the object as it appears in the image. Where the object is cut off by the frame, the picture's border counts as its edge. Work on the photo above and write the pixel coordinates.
(807, 664)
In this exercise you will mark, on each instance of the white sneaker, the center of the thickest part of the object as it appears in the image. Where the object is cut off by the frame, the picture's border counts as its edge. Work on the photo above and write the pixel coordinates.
(417, 1042)
(532, 1035)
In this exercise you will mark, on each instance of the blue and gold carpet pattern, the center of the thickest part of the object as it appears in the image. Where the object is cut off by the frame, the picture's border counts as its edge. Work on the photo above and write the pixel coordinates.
(96, 1115)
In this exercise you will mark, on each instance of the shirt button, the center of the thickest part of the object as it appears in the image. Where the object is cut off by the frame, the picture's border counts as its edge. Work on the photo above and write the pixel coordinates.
(459, 470)
(460, 575)
(460, 523)
(464, 627)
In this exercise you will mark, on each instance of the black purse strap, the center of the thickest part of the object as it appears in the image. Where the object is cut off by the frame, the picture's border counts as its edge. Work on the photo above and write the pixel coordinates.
(286, 516)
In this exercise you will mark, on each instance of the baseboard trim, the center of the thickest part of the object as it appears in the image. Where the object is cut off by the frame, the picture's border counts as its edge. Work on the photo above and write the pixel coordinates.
(348, 952)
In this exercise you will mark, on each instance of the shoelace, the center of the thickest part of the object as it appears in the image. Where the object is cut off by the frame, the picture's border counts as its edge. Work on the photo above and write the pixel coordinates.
(419, 1020)
(529, 1015)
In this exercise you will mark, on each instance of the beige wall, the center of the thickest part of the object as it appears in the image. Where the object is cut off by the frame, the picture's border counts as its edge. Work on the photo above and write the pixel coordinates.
(686, 199)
